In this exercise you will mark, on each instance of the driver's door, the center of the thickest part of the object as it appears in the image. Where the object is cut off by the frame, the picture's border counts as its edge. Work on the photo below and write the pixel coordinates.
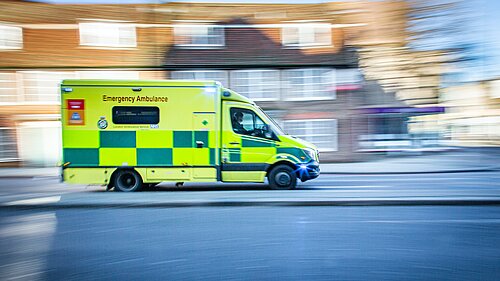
(245, 152)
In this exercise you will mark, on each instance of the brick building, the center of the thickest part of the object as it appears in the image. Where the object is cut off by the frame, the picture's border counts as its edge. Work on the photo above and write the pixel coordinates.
(297, 61)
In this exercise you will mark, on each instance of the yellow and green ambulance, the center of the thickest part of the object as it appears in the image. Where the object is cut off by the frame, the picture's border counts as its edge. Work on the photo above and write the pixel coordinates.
(130, 134)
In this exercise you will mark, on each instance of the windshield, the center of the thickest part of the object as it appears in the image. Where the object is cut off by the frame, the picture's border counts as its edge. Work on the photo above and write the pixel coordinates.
(274, 126)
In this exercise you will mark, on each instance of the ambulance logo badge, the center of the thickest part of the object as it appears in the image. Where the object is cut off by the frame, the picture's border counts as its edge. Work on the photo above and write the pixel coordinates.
(76, 112)
(102, 124)
(76, 116)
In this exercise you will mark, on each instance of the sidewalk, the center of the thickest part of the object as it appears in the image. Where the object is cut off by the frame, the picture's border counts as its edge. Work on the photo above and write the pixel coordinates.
(468, 160)
(30, 172)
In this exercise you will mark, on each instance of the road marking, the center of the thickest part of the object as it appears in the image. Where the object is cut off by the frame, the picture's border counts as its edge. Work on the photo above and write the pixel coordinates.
(34, 201)
(123, 261)
(252, 267)
(346, 186)
(168, 261)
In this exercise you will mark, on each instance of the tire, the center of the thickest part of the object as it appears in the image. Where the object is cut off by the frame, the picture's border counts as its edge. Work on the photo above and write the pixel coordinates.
(127, 181)
(282, 177)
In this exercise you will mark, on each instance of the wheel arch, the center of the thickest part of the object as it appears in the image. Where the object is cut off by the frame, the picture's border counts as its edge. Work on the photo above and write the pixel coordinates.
(281, 162)
(111, 183)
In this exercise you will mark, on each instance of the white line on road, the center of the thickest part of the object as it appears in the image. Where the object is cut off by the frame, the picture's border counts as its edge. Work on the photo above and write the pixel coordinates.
(34, 201)
(348, 186)
(168, 261)
(252, 267)
(124, 261)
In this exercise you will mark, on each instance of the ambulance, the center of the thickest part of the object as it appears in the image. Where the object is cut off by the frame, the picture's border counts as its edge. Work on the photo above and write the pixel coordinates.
(128, 135)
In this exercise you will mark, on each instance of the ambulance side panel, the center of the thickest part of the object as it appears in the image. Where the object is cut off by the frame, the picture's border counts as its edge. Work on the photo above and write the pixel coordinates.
(182, 145)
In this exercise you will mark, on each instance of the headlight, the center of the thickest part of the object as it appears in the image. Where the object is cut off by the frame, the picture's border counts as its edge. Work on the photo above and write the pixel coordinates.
(311, 153)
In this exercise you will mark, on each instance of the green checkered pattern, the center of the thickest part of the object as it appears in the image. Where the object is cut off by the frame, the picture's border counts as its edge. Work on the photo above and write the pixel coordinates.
(256, 150)
(138, 148)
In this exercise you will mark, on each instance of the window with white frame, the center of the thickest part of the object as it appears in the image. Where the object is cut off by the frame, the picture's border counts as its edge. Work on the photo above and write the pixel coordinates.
(307, 35)
(107, 34)
(198, 35)
(42, 87)
(217, 75)
(321, 132)
(8, 87)
(11, 37)
(259, 85)
(309, 84)
(8, 145)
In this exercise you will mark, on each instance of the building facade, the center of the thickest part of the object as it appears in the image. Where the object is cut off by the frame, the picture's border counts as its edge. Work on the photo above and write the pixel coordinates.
(473, 114)
(300, 62)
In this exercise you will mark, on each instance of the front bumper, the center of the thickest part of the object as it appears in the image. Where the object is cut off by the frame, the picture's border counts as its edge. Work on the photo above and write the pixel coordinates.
(307, 171)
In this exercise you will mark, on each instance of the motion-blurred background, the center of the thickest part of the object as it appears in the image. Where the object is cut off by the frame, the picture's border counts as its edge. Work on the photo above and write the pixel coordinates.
(360, 79)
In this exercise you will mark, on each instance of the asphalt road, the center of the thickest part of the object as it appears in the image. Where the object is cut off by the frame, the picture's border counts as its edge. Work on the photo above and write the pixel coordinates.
(255, 243)
(252, 243)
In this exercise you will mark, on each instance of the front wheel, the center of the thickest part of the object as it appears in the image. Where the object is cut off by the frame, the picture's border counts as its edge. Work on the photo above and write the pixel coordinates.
(128, 181)
(282, 177)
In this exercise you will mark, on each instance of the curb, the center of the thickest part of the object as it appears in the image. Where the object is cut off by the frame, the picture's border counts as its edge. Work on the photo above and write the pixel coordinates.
(491, 169)
(325, 203)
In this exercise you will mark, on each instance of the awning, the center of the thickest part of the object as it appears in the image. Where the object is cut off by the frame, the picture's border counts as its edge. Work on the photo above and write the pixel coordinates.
(403, 110)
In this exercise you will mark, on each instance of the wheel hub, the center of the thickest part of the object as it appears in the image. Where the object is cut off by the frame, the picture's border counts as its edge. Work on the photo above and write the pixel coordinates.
(128, 181)
(283, 178)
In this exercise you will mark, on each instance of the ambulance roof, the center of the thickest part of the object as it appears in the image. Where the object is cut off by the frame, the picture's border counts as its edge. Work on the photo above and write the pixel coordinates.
(139, 83)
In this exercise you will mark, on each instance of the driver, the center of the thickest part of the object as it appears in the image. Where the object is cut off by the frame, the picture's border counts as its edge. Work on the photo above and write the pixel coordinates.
(237, 126)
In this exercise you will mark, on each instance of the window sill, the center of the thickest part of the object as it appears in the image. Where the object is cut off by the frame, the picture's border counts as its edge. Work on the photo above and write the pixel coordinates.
(307, 46)
(29, 103)
(3, 49)
(111, 48)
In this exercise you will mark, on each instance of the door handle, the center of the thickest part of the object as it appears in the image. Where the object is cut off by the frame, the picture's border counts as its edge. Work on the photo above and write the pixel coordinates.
(199, 144)
(234, 143)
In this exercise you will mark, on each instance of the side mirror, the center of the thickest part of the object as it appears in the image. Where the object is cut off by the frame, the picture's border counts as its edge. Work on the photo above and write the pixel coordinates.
(267, 132)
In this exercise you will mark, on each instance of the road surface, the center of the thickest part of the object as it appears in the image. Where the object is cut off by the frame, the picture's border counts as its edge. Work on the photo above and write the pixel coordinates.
(257, 242)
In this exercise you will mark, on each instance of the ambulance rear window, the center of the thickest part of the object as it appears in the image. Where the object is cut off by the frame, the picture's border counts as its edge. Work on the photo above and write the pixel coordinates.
(136, 115)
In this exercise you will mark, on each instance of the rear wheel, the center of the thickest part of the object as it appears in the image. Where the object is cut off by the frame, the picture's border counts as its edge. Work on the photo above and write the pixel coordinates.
(282, 177)
(127, 181)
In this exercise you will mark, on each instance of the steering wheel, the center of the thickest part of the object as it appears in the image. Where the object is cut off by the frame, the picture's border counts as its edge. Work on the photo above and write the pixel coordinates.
(257, 132)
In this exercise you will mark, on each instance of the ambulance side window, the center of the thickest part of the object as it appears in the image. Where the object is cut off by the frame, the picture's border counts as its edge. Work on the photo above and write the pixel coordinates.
(136, 115)
(246, 122)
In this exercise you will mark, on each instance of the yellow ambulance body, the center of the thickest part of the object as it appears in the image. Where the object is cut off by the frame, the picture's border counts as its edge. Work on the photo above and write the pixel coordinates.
(128, 134)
